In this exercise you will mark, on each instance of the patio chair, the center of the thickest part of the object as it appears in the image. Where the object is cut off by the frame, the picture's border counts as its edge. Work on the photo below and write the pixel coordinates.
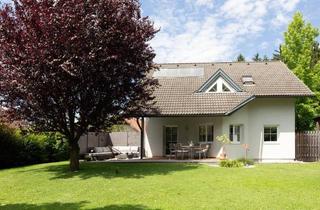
(172, 150)
(182, 151)
(203, 151)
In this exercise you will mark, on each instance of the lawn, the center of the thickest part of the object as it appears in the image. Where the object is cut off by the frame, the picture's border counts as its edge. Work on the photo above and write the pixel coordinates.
(160, 186)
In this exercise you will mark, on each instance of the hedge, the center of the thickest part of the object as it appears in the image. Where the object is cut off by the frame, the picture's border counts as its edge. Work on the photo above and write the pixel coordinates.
(17, 149)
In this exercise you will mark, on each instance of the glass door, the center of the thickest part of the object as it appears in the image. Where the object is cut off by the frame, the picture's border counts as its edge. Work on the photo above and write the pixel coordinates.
(171, 137)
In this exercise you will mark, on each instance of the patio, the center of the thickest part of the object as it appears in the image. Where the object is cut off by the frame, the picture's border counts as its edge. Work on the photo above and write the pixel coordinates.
(161, 160)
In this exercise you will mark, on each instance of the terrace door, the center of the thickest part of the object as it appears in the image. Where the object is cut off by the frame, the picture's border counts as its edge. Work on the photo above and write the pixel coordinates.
(170, 137)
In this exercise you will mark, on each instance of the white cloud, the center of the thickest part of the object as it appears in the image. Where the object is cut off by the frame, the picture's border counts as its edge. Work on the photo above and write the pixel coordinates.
(208, 3)
(277, 43)
(264, 45)
(198, 42)
(191, 34)
(288, 5)
(201, 3)
(280, 20)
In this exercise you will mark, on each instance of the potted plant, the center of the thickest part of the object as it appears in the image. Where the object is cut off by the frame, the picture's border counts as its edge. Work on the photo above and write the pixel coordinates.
(224, 140)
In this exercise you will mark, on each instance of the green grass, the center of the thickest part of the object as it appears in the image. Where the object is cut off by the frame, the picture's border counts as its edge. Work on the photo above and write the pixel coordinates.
(160, 186)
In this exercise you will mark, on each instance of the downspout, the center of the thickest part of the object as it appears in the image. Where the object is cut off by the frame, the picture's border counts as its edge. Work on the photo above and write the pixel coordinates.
(88, 141)
(141, 126)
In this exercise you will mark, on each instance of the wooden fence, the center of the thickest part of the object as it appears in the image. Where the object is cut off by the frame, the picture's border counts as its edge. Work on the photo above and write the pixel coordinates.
(308, 146)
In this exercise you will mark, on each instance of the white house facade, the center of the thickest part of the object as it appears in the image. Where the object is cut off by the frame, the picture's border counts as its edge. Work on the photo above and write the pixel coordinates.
(252, 103)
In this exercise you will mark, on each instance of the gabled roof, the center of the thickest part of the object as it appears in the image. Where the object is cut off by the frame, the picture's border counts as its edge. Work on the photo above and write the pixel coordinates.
(182, 96)
(213, 79)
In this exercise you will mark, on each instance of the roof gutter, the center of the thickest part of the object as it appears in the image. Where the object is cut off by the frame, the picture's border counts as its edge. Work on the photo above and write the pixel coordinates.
(186, 115)
(285, 96)
(239, 106)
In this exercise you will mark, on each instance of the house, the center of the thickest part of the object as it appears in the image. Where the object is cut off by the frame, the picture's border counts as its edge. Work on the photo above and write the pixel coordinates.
(252, 103)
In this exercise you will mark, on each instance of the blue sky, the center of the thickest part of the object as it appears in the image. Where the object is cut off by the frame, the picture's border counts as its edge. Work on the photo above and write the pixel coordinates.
(213, 30)
(218, 30)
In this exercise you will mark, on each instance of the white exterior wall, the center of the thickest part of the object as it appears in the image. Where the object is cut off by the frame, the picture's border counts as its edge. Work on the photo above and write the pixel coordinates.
(262, 112)
(188, 130)
(279, 112)
(253, 117)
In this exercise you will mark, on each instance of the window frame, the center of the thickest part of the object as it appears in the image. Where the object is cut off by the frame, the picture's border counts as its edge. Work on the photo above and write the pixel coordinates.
(206, 125)
(210, 89)
(165, 137)
(224, 86)
(233, 132)
(219, 89)
(271, 133)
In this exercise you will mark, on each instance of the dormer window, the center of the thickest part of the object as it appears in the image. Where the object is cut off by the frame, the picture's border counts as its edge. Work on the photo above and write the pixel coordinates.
(220, 86)
(214, 88)
(225, 88)
(219, 82)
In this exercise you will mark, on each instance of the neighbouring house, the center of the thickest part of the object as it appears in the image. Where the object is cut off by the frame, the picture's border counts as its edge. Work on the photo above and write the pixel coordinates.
(253, 103)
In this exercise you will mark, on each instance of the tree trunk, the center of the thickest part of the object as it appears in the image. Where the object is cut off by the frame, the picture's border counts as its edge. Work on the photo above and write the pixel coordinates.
(74, 156)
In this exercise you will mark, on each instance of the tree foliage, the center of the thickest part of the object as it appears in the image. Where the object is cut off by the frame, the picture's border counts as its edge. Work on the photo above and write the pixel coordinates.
(69, 64)
(276, 56)
(256, 57)
(265, 58)
(241, 58)
(300, 52)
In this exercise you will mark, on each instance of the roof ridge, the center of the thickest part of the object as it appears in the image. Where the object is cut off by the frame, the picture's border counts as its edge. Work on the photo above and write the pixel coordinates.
(221, 62)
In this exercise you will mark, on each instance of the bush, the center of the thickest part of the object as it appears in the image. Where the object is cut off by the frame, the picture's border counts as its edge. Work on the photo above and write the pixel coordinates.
(18, 149)
(246, 161)
(53, 147)
(10, 147)
(231, 163)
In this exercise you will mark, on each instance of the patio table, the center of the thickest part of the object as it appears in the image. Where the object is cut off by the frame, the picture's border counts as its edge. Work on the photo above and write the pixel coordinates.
(191, 148)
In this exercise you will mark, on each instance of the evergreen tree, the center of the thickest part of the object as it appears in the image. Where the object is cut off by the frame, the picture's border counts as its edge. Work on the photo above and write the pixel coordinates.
(276, 56)
(256, 57)
(241, 58)
(265, 58)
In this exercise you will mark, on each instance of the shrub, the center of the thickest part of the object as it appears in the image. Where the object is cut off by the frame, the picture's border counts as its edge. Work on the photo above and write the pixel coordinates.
(56, 147)
(231, 163)
(246, 161)
(10, 147)
(18, 149)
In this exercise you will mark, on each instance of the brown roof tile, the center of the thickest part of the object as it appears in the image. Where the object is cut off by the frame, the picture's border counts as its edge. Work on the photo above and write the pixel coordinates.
(177, 95)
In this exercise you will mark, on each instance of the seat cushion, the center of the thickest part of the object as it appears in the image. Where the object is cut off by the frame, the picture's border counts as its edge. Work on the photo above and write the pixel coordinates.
(102, 149)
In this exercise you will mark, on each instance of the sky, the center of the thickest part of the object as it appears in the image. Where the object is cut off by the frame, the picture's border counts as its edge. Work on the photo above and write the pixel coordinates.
(218, 30)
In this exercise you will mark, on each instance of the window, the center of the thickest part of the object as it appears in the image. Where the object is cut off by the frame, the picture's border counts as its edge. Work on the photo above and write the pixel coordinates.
(214, 88)
(235, 133)
(220, 86)
(206, 133)
(270, 133)
(202, 133)
(209, 132)
(225, 88)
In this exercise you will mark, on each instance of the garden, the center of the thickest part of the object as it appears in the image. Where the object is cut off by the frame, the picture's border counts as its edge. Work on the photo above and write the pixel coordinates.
(138, 186)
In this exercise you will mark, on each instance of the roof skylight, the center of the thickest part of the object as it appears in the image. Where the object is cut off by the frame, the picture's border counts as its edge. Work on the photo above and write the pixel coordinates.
(179, 72)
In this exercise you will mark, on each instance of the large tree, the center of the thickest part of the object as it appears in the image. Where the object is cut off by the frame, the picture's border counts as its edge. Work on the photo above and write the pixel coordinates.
(300, 52)
(70, 64)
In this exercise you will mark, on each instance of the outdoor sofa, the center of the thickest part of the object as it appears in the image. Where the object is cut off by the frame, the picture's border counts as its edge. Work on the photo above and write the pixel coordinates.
(130, 151)
(101, 153)
(108, 152)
